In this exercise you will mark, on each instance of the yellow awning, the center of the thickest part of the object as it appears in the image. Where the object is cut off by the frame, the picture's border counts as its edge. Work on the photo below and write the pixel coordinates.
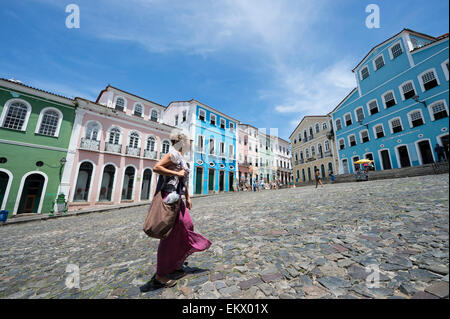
(363, 161)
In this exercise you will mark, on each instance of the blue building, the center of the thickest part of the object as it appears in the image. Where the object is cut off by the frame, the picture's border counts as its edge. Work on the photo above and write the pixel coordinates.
(213, 155)
(399, 110)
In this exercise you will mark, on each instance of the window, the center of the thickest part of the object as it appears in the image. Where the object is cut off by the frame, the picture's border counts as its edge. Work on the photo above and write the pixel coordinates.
(184, 116)
(138, 110)
(222, 123)
(222, 148)
(439, 110)
(373, 107)
(165, 147)
(364, 136)
(17, 114)
(396, 50)
(202, 115)
(338, 124)
(415, 43)
(396, 125)
(317, 128)
(348, 119)
(324, 126)
(379, 62)
(151, 144)
(379, 132)
(212, 119)
(408, 90)
(200, 144)
(416, 118)
(299, 137)
(445, 67)
(134, 140)
(49, 123)
(327, 145)
(114, 136)
(231, 127)
(301, 155)
(389, 99)
(120, 104)
(176, 120)
(154, 116)
(92, 130)
(341, 144)
(313, 151)
(305, 135)
(359, 114)
(428, 80)
(230, 151)
(307, 153)
(364, 73)
(211, 146)
(352, 140)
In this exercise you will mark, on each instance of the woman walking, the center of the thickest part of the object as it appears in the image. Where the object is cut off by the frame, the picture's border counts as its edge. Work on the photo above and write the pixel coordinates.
(182, 241)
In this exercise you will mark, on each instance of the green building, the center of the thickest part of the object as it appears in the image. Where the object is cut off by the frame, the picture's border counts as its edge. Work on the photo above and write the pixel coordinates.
(35, 131)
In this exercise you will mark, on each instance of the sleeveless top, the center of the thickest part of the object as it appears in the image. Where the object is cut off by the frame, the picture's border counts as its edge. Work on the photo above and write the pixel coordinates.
(171, 183)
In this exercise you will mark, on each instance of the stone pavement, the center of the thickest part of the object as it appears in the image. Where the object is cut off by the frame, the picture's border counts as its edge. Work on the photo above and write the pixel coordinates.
(290, 243)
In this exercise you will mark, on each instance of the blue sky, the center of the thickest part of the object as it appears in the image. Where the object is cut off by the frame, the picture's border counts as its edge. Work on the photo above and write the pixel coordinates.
(265, 62)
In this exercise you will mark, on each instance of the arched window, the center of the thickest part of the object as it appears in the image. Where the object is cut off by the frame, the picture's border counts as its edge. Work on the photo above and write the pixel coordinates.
(341, 144)
(165, 147)
(330, 167)
(92, 131)
(128, 183)
(120, 104)
(134, 140)
(327, 145)
(154, 116)
(17, 114)
(146, 184)
(313, 150)
(49, 123)
(438, 110)
(324, 126)
(114, 136)
(338, 125)
(138, 110)
(107, 185)
(151, 144)
(83, 184)
(317, 128)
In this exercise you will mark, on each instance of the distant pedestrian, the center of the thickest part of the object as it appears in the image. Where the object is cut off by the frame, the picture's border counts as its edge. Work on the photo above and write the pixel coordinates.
(447, 150)
(318, 178)
(440, 152)
(254, 185)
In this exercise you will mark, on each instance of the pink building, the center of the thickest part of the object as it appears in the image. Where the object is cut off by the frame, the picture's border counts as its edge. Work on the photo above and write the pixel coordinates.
(115, 144)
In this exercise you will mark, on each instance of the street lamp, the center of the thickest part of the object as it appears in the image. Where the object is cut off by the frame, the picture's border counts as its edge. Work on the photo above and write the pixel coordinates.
(63, 161)
(416, 98)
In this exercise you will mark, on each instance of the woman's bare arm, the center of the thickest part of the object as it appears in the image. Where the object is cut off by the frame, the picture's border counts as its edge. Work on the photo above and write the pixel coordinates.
(161, 167)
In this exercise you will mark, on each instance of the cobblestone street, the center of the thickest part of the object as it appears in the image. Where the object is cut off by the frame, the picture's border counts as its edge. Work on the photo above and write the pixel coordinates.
(291, 243)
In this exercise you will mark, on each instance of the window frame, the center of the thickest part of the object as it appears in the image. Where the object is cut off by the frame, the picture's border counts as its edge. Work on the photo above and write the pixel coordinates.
(85, 128)
(391, 55)
(125, 102)
(335, 123)
(375, 131)
(444, 68)
(222, 120)
(203, 149)
(361, 137)
(430, 109)
(356, 114)
(360, 73)
(384, 101)
(422, 84)
(200, 112)
(392, 128)
(211, 115)
(58, 125)
(138, 139)
(154, 146)
(349, 142)
(375, 58)
(340, 144)
(410, 119)
(368, 107)
(400, 89)
(351, 119)
(157, 115)
(6, 107)
(119, 142)
(134, 109)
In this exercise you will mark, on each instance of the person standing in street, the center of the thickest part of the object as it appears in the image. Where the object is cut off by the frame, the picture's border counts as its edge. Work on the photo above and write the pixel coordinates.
(440, 152)
(182, 240)
(318, 178)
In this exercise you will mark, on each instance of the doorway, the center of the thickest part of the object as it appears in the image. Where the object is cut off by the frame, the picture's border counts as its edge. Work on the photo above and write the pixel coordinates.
(211, 179)
(425, 152)
(107, 183)
(221, 181)
(31, 194)
(444, 143)
(198, 180)
(386, 159)
(345, 166)
(4, 180)
(230, 181)
(146, 184)
(403, 156)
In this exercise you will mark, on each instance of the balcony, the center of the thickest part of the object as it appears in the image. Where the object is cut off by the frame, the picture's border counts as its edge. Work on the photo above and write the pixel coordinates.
(328, 154)
(133, 151)
(310, 159)
(319, 156)
(310, 137)
(302, 161)
(150, 154)
(91, 145)
(296, 162)
(114, 148)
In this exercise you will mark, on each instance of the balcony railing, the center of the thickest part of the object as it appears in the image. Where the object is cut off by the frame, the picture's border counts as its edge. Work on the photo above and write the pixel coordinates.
(302, 161)
(91, 145)
(310, 159)
(134, 151)
(296, 162)
(150, 154)
(115, 148)
(328, 153)
(310, 137)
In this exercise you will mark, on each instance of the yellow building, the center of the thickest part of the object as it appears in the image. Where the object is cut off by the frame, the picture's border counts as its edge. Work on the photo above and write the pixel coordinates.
(313, 147)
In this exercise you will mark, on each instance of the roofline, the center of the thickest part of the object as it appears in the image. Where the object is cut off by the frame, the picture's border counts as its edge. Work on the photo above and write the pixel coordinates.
(137, 96)
(343, 100)
(304, 117)
(39, 90)
(389, 39)
(441, 38)
(204, 105)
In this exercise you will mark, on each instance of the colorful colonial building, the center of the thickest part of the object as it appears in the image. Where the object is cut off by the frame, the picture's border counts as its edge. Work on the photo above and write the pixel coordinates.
(398, 111)
(313, 148)
(35, 130)
(115, 144)
(282, 161)
(213, 155)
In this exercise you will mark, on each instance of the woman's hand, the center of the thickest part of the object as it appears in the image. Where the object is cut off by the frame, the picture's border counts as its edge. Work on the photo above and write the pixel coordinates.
(188, 203)
(181, 173)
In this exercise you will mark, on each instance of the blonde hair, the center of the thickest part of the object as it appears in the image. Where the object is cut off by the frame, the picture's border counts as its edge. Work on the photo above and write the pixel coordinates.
(176, 136)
